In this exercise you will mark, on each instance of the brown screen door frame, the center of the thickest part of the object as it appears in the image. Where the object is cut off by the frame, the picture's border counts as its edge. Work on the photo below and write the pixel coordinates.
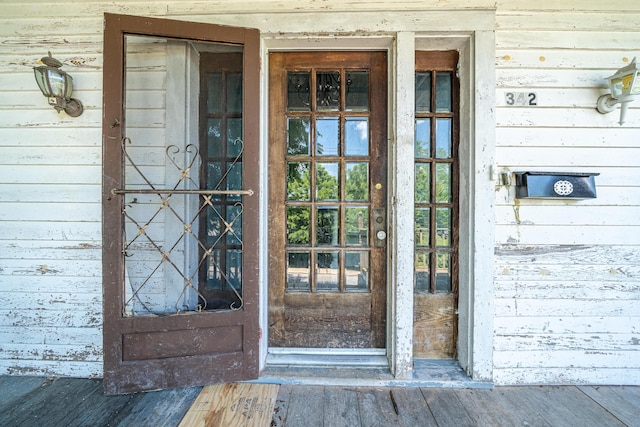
(181, 365)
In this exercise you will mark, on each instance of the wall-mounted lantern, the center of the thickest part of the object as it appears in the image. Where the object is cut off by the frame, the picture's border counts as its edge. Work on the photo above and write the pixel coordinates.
(57, 86)
(624, 86)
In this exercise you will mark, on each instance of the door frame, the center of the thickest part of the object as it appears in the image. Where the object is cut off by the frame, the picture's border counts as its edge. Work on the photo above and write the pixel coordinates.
(477, 134)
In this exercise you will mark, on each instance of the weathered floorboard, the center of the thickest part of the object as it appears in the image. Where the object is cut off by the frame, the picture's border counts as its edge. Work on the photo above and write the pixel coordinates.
(623, 402)
(306, 407)
(412, 407)
(446, 408)
(344, 407)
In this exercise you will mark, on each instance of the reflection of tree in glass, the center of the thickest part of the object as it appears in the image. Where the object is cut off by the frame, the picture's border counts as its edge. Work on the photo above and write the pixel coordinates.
(326, 184)
(298, 136)
(357, 182)
(327, 232)
(298, 219)
(298, 181)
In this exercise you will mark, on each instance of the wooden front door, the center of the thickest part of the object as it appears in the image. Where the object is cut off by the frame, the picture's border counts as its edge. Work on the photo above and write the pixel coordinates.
(180, 204)
(327, 199)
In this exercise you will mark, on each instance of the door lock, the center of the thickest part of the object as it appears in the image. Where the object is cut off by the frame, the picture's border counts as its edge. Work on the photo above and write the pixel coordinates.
(379, 227)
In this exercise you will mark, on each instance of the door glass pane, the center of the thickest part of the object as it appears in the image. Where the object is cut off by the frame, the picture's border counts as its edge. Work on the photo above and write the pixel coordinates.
(298, 93)
(357, 96)
(234, 137)
(422, 227)
(298, 221)
(234, 179)
(233, 225)
(214, 177)
(234, 92)
(214, 100)
(422, 284)
(298, 136)
(327, 272)
(423, 138)
(423, 92)
(327, 137)
(214, 272)
(356, 136)
(328, 91)
(443, 272)
(443, 227)
(443, 92)
(357, 181)
(298, 182)
(328, 223)
(423, 186)
(443, 182)
(214, 137)
(443, 138)
(357, 226)
(234, 268)
(298, 272)
(356, 276)
(327, 181)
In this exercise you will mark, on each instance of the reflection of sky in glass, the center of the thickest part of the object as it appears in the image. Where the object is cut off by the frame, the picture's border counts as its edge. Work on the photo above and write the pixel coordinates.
(423, 138)
(327, 137)
(443, 138)
(356, 136)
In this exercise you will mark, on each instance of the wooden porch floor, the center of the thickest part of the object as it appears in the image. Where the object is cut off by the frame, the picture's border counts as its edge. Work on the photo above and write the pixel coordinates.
(34, 401)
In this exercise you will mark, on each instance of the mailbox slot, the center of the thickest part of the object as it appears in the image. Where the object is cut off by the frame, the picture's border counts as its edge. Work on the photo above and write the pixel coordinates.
(555, 185)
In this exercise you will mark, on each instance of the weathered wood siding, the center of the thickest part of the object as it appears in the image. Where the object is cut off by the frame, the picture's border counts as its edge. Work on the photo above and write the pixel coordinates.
(567, 273)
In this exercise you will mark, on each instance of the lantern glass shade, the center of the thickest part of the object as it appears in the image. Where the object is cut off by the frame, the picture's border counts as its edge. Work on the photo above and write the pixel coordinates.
(625, 81)
(54, 82)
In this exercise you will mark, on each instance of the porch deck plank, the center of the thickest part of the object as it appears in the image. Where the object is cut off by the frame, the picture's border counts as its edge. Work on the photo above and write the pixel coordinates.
(487, 407)
(376, 408)
(306, 407)
(14, 389)
(159, 408)
(282, 406)
(342, 407)
(412, 407)
(446, 408)
(623, 402)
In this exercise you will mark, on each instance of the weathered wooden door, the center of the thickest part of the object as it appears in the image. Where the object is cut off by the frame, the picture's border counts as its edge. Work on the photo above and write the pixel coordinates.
(180, 203)
(327, 199)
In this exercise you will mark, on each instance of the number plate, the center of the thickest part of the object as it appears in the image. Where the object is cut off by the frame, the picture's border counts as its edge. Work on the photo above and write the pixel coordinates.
(520, 99)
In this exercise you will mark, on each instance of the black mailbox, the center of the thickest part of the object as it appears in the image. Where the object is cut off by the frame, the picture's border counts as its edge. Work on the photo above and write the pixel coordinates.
(556, 185)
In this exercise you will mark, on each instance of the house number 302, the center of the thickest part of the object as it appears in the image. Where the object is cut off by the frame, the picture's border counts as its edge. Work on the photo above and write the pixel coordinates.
(521, 98)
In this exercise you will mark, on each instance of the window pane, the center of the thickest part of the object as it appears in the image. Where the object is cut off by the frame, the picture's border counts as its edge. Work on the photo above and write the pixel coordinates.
(423, 186)
(328, 272)
(298, 272)
(234, 92)
(422, 224)
(214, 137)
(443, 227)
(443, 182)
(234, 137)
(422, 284)
(328, 223)
(214, 95)
(298, 136)
(443, 92)
(214, 225)
(423, 92)
(356, 276)
(423, 138)
(234, 225)
(356, 136)
(214, 177)
(298, 221)
(443, 138)
(328, 91)
(214, 272)
(357, 91)
(327, 137)
(298, 93)
(327, 181)
(234, 179)
(234, 269)
(443, 272)
(357, 182)
(298, 183)
(357, 226)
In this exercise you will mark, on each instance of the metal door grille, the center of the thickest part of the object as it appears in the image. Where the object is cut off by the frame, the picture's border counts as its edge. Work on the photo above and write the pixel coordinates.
(162, 268)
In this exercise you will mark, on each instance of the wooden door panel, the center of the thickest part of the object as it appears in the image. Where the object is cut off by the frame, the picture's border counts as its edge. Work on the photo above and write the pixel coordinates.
(327, 176)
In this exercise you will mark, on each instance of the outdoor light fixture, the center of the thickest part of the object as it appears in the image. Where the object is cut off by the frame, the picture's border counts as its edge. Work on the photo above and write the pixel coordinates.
(57, 86)
(624, 86)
